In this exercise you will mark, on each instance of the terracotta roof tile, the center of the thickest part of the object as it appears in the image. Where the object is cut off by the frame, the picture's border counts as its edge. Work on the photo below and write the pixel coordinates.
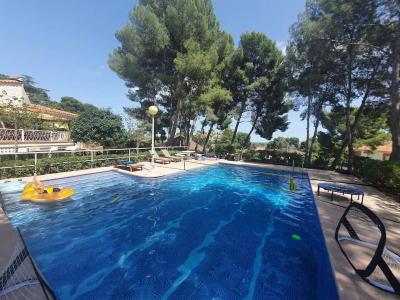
(363, 148)
(52, 111)
(10, 80)
(386, 148)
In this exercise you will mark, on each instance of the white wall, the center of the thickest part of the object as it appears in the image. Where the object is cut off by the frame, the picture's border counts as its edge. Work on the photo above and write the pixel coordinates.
(374, 155)
(9, 91)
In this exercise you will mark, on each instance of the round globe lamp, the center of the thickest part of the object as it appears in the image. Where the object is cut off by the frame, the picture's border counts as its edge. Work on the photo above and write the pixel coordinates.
(153, 110)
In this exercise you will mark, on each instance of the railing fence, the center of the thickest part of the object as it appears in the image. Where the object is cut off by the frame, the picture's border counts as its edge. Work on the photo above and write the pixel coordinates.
(23, 136)
(25, 164)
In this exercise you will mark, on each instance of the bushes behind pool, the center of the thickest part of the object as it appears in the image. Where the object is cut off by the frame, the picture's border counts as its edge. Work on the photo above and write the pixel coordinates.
(60, 162)
(276, 157)
(384, 174)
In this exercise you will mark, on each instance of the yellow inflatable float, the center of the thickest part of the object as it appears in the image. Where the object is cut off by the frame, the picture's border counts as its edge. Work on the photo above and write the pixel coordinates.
(32, 192)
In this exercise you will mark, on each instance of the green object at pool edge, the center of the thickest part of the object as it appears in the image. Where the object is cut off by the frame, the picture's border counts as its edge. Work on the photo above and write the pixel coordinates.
(296, 237)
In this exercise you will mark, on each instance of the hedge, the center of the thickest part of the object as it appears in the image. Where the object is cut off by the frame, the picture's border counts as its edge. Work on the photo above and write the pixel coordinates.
(20, 168)
(276, 157)
(384, 174)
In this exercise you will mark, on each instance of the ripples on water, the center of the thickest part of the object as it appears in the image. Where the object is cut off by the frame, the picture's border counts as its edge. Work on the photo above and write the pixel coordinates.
(215, 233)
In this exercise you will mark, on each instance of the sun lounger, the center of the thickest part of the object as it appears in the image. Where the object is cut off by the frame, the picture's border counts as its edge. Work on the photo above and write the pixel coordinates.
(343, 189)
(129, 164)
(161, 160)
(137, 166)
(167, 155)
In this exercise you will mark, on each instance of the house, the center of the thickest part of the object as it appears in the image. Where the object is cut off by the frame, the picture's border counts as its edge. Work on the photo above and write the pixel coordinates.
(12, 93)
(380, 153)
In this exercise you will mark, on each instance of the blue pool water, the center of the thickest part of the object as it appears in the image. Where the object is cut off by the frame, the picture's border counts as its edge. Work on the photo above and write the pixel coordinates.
(215, 233)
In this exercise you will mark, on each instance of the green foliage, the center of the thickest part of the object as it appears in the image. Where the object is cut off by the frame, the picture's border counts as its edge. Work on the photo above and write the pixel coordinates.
(263, 66)
(284, 143)
(338, 54)
(175, 53)
(328, 147)
(73, 105)
(371, 130)
(217, 100)
(64, 163)
(196, 65)
(384, 174)
(138, 132)
(36, 94)
(250, 154)
(17, 117)
(223, 147)
(277, 157)
(99, 126)
(227, 134)
(171, 51)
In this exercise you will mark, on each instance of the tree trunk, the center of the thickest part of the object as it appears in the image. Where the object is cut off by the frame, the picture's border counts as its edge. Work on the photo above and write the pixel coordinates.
(241, 111)
(203, 124)
(353, 127)
(348, 111)
(314, 138)
(187, 133)
(307, 149)
(395, 100)
(192, 129)
(180, 126)
(247, 140)
(187, 124)
(207, 138)
(174, 124)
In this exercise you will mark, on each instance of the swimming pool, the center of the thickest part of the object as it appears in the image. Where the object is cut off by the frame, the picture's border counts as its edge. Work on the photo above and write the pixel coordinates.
(224, 232)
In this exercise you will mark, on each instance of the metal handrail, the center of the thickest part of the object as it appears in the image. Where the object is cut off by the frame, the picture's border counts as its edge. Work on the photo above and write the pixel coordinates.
(128, 153)
(91, 150)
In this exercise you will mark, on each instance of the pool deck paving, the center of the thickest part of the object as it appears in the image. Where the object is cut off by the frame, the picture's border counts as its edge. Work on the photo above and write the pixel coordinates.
(11, 245)
(350, 285)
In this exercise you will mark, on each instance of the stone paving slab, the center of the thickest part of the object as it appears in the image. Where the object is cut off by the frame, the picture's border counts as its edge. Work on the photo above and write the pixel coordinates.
(10, 241)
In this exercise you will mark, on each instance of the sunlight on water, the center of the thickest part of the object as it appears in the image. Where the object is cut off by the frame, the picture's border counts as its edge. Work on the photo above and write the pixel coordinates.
(215, 233)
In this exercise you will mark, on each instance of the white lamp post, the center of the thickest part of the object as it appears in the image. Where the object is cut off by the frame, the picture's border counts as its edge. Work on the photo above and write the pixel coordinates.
(152, 112)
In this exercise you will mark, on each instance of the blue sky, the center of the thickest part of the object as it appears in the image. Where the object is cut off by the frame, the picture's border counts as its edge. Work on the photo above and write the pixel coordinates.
(65, 45)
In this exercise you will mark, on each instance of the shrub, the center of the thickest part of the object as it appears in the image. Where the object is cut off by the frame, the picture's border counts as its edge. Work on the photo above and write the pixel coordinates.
(250, 154)
(385, 174)
(223, 149)
(277, 157)
(62, 163)
(98, 126)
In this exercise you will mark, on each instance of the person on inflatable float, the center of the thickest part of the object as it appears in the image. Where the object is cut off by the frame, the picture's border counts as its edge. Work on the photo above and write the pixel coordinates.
(38, 183)
(41, 186)
(36, 191)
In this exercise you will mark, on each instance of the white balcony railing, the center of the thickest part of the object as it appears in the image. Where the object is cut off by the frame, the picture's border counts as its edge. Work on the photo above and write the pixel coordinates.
(33, 136)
